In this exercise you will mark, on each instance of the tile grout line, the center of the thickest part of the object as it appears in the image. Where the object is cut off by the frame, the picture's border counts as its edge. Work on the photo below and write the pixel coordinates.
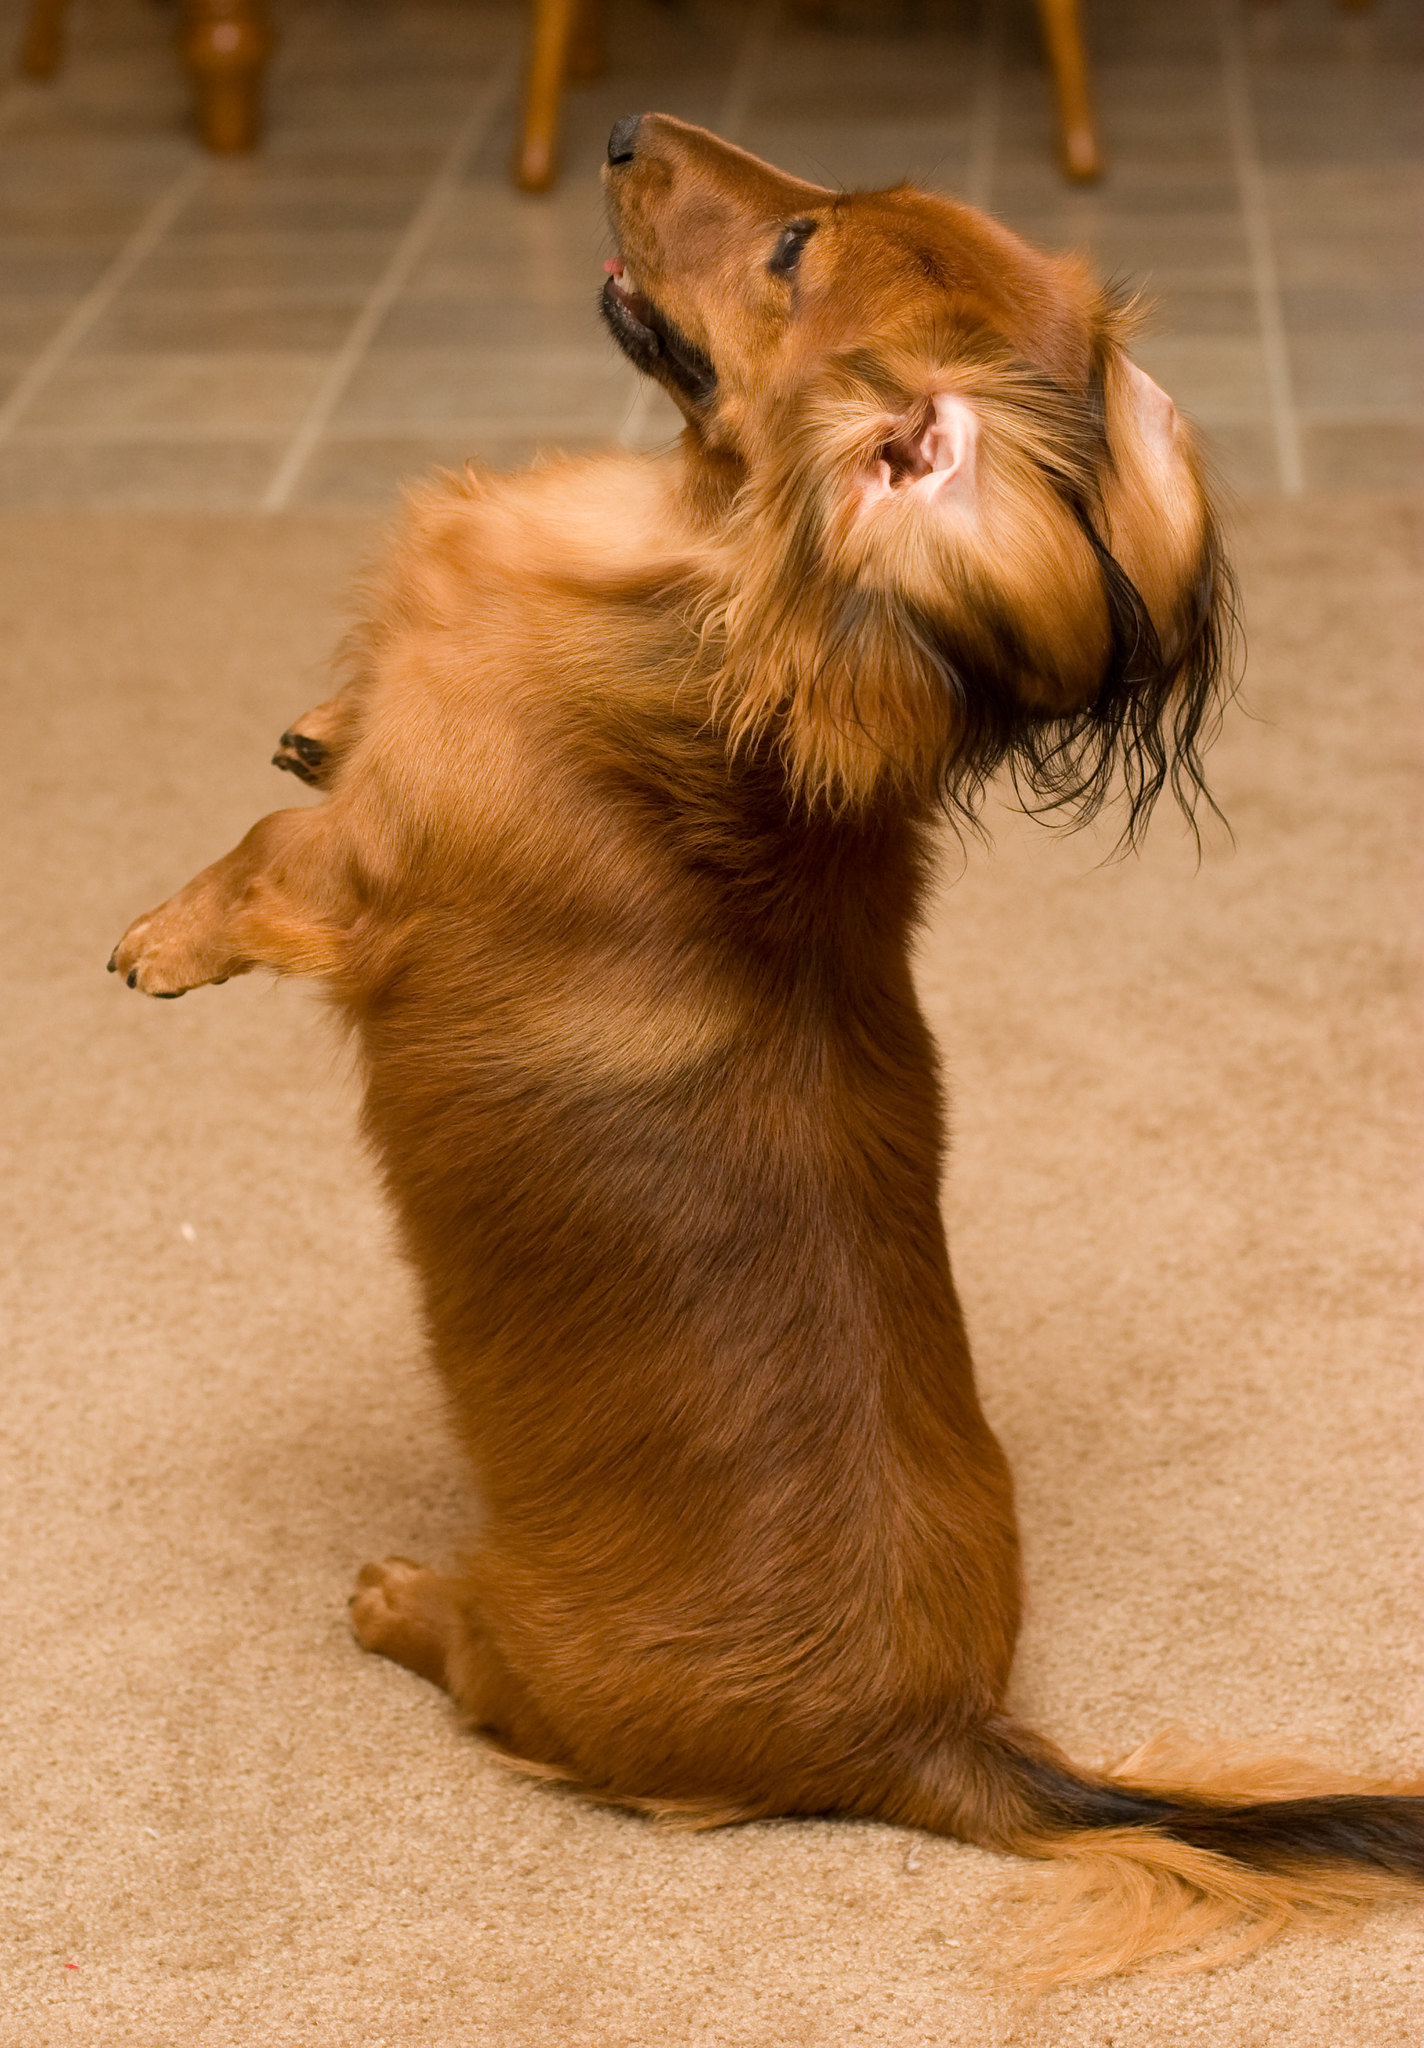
(988, 87)
(12, 102)
(23, 93)
(101, 295)
(1285, 421)
(185, 434)
(406, 254)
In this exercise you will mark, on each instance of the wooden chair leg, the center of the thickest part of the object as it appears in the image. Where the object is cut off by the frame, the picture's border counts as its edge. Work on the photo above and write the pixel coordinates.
(1063, 33)
(43, 43)
(225, 45)
(536, 158)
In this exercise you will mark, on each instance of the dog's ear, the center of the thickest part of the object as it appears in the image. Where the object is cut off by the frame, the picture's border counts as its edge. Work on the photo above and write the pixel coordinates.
(1173, 597)
(967, 510)
(1156, 514)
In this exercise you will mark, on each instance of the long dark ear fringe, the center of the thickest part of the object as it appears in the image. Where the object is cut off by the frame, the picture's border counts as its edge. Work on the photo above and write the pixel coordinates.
(986, 721)
(1152, 719)
(1145, 731)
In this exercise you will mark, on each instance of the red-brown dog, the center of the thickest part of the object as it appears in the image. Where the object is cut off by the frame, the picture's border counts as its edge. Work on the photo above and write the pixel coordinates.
(629, 793)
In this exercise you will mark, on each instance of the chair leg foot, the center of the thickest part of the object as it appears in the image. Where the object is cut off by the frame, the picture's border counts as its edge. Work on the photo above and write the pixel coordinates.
(536, 158)
(225, 45)
(1082, 158)
(1078, 139)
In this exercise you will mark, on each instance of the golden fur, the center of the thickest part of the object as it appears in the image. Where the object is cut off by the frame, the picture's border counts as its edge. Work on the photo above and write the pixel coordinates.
(629, 787)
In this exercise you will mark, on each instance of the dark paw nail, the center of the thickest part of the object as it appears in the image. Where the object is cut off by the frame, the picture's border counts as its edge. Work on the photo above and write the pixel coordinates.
(169, 995)
(113, 966)
(132, 977)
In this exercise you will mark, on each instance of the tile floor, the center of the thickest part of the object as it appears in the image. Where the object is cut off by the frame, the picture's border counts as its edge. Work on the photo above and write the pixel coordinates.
(367, 295)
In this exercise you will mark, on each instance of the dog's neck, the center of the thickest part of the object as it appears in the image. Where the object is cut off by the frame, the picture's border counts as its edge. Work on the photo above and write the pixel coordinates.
(710, 480)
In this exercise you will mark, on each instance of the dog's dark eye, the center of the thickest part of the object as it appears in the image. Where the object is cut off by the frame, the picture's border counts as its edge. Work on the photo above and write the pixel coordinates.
(789, 244)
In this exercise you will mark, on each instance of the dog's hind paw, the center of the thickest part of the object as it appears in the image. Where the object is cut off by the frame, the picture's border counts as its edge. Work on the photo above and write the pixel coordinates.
(404, 1612)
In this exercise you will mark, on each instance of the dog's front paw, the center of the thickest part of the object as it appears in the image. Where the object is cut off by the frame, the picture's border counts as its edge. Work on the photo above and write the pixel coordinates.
(312, 746)
(166, 953)
(307, 758)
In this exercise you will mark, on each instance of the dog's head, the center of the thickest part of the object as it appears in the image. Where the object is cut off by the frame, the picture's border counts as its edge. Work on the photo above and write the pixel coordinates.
(963, 528)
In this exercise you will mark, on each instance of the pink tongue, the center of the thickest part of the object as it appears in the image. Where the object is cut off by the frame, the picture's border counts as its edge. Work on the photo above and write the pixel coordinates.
(614, 266)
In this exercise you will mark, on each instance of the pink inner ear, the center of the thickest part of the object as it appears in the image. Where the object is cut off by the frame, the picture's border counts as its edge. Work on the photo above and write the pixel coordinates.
(1157, 418)
(950, 442)
(939, 464)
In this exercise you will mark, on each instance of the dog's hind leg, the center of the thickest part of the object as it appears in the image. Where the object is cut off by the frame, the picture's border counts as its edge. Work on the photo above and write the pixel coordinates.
(413, 1616)
(312, 746)
(284, 898)
(429, 1623)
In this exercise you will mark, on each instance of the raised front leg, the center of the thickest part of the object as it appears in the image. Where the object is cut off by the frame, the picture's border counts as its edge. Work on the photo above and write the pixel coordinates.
(282, 899)
(313, 745)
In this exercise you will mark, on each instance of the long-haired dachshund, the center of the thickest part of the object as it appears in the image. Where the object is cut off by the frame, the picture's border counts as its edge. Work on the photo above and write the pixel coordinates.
(630, 789)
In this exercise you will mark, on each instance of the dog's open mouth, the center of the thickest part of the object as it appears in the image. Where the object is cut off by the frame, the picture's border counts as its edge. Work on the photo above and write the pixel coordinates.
(650, 340)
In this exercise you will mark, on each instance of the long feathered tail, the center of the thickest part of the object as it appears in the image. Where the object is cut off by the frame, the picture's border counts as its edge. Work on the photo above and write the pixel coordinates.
(1186, 1855)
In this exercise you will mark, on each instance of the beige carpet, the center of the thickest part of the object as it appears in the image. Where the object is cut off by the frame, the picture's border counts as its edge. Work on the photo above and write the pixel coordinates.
(1185, 1206)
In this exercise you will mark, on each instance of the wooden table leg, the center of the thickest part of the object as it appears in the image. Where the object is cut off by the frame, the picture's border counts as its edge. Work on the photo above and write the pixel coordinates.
(1063, 33)
(43, 42)
(225, 45)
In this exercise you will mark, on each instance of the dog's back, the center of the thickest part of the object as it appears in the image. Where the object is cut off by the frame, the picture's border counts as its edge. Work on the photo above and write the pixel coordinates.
(647, 1076)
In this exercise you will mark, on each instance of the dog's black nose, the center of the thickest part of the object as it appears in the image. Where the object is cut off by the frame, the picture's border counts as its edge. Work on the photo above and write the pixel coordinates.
(620, 142)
